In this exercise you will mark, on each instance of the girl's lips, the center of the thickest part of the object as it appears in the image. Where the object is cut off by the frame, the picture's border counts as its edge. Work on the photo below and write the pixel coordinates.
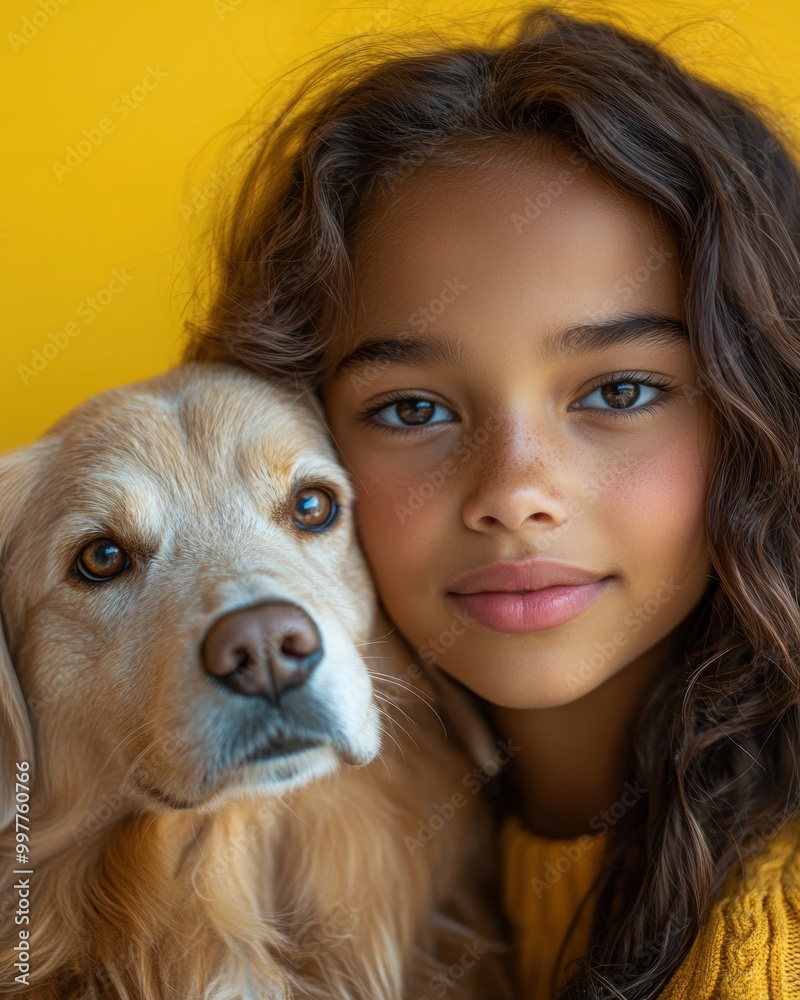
(508, 611)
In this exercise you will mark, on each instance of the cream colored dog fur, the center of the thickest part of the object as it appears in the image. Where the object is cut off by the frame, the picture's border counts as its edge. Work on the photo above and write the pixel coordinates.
(165, 865)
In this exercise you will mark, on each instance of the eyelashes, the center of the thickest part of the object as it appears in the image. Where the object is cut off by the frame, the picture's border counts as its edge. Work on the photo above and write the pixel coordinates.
(664, 385)
(368, 415)
(660, 382)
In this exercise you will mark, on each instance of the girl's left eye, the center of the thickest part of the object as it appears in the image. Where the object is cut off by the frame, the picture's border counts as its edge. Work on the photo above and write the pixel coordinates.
(621, 391)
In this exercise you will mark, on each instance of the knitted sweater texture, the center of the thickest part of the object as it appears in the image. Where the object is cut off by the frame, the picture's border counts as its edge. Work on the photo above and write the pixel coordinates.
(748, 947)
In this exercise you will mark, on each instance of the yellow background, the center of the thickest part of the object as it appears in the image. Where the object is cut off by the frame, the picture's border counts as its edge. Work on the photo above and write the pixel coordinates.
(104, 243)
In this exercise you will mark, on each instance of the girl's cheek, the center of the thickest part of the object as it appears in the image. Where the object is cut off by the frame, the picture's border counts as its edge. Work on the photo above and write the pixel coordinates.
(400, 512)
(660, 512)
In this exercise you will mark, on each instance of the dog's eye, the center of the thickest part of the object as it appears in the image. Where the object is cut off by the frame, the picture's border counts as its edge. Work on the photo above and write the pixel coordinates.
(101, 560)
(314, 509)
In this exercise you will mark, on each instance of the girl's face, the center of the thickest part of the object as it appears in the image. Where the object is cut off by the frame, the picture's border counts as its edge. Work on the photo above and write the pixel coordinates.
(484, 443)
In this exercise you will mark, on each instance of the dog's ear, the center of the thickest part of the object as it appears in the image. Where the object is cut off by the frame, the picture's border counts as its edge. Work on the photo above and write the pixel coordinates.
(18, 471)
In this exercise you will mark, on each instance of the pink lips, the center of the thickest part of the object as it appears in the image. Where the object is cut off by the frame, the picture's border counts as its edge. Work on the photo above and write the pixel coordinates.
(526, 597)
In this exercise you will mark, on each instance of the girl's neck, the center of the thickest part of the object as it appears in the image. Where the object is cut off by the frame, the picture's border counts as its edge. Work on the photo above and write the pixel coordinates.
(569, 777)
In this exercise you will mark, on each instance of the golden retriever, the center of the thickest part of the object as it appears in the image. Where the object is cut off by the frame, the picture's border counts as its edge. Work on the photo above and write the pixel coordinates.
(222, 775)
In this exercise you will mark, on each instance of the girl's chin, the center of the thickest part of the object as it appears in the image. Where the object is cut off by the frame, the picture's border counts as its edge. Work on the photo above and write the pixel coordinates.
(522, 686)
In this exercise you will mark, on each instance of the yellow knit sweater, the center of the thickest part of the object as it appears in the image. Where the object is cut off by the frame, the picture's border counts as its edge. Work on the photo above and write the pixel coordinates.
(748, 947)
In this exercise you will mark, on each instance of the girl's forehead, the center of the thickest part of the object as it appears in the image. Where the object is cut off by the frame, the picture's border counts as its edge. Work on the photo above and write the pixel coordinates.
(536, 169)
(547, 244)
(529, 205)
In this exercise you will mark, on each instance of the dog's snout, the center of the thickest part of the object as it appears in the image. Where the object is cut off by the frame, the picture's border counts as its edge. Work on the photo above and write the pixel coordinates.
(262, 650)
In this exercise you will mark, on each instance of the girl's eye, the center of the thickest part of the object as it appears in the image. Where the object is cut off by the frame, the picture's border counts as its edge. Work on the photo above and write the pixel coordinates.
(410, 412)
(623, 390)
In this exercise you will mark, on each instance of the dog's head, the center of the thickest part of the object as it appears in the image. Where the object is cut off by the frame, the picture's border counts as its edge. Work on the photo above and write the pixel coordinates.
(183, 595)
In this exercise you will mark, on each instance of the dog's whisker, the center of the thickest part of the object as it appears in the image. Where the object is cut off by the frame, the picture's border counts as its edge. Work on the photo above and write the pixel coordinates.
(396, 676)
(132, 765)
(185, 853)
(394, 698)
(380, 756)
(386, 729)
(399, 682)
(427, 705)
(436, 713)
(377, 638)
(402, 683)
(415, 691)
(394, 704)
(393, 677)
(397, 745)
(130, 736)
(154, 818)
(284, 805)
(403, 729)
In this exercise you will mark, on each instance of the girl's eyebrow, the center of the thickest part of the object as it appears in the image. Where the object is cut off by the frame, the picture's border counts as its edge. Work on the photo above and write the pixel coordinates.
(445, 352)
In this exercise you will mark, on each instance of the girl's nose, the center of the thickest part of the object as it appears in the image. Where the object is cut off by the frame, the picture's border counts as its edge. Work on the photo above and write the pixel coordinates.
(490, 509)
(515, 480)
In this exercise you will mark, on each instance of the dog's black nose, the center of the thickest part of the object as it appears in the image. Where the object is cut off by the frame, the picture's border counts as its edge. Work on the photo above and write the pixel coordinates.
(262, 650)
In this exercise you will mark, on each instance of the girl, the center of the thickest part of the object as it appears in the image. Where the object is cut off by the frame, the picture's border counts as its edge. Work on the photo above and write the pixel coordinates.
(545, 289)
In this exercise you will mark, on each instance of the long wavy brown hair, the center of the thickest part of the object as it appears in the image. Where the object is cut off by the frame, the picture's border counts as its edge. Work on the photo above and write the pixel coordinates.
(716, 743)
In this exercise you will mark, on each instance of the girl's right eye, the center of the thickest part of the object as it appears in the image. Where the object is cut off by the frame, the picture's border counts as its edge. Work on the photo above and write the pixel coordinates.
(410, 412)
